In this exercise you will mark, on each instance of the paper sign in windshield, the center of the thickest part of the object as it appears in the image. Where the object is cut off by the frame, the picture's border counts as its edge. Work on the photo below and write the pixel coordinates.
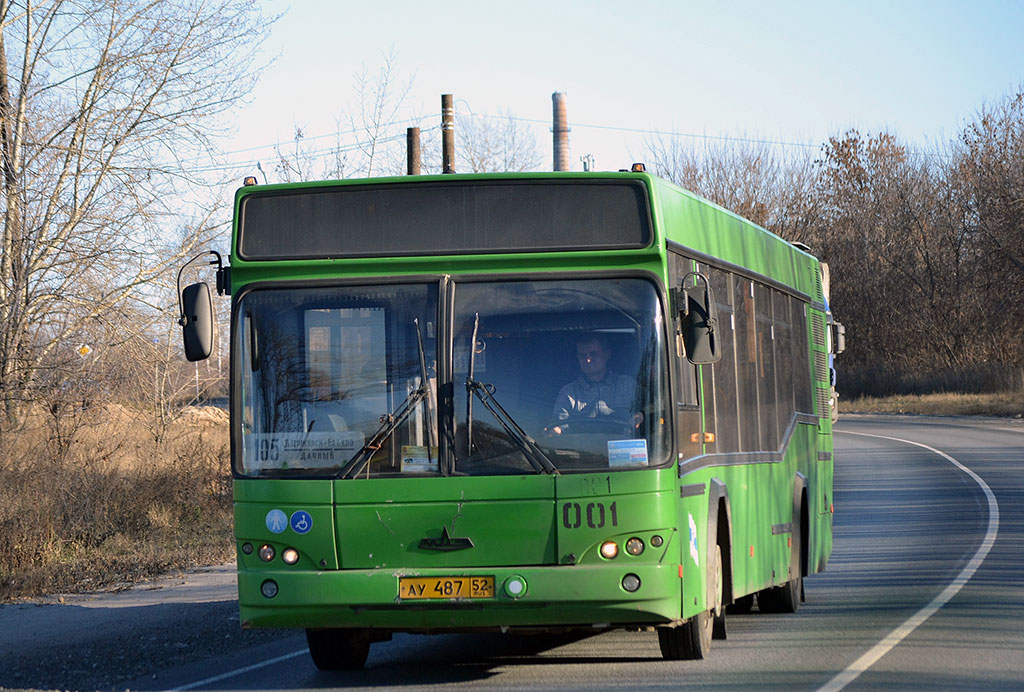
(416, 460)
(627, 453)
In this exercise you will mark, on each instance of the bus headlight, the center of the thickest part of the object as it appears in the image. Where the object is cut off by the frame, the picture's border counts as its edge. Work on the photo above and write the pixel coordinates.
(267, 552)
(609, 549)
(290, 556)
(634, 546)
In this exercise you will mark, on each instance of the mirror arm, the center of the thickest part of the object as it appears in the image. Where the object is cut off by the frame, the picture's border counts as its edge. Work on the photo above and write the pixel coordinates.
(182, 319)
(686, 296)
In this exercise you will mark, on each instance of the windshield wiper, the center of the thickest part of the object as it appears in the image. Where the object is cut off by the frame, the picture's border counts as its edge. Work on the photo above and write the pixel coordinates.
(529, 447)
(485, 392)
(389, 422)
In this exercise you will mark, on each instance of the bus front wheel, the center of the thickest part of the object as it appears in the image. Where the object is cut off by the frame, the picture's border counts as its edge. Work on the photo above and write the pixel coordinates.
(338, 649)
(692, 639)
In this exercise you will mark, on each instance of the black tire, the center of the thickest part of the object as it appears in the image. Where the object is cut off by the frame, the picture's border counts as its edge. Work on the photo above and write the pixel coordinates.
(718, 613)
(692, 640)
(338, 649)
(741, 605)
(781, 599)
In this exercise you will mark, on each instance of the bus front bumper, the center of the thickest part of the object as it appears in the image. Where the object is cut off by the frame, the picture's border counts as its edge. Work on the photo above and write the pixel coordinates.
(544, 597)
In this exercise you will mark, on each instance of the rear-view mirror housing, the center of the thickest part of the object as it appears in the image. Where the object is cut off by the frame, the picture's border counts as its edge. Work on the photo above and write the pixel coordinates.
(197, 321)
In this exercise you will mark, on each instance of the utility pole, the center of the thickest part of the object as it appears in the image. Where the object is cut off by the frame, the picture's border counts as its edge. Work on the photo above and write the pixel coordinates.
(412, 151)
(447, 134)
(560, 129)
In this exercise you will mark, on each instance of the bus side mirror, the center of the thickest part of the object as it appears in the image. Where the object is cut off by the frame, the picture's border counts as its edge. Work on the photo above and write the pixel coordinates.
(197, 321)
(840, 340)
(698, 321)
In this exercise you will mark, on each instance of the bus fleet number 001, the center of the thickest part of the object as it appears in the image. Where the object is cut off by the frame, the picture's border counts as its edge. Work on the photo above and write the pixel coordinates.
(596, 515)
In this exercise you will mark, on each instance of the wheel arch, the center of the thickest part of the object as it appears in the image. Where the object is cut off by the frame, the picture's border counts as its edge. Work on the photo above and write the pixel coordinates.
(801, 521)
(720, 532)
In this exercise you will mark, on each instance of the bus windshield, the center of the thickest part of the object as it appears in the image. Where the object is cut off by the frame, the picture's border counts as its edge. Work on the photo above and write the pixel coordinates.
(572, 364)
(544, 376)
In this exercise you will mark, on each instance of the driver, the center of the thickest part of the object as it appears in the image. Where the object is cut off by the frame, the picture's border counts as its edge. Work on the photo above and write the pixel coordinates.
(597, 394)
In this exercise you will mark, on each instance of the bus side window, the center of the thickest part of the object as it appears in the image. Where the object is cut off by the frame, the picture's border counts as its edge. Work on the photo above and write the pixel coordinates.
(766, 364)
(720, 379)
(783, 325)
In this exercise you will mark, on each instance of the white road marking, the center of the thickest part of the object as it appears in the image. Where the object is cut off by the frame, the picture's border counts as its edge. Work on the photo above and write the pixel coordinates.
(240, 671)
(883, 647)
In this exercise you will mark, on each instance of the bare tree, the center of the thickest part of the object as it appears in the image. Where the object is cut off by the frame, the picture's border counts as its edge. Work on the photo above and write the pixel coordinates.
(489, 144)
(987, 183)
(369, 139)
(100, 101)
(990, 168)
(757, 180)
(380, 99)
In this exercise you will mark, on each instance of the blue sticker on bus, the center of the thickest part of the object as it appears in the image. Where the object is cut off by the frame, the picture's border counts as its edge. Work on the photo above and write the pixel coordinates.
(301, 522)
(277, 521)
(627, 453)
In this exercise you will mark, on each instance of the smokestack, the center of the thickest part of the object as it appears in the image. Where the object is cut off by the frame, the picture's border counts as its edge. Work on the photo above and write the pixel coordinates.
(560, 129)
(447, 134)
(412, 151)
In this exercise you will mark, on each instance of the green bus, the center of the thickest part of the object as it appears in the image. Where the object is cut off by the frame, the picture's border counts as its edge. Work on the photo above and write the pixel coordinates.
(540, 401)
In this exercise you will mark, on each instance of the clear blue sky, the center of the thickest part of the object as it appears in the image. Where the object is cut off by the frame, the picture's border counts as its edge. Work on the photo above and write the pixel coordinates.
(792, 71)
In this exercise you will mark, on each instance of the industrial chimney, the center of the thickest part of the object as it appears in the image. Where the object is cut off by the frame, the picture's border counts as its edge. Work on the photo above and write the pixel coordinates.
(560, 129)
(447, 134)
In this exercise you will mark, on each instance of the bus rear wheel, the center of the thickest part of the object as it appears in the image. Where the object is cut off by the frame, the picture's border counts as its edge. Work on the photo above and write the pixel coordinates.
(781, 599)
(338, 649)
(692, 639)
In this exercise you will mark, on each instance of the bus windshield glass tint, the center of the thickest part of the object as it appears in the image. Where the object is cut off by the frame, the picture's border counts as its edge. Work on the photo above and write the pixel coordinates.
(569, 370)
(321, 371)
(544, 375)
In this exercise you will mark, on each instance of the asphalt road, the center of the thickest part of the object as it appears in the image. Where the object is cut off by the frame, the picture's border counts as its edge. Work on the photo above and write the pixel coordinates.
(925, 591)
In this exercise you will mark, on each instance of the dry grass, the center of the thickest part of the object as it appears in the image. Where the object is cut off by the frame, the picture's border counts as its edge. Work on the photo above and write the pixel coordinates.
(1010, 404)
(106, 496)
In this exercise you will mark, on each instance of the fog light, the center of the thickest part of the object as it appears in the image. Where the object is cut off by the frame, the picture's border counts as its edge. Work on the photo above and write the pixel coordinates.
(515, 587)
(631, 582)
(634, 546)
(267, 552)
(609, 549)
(247, 548)
(269, 588)
(657, 541)
(290, 556)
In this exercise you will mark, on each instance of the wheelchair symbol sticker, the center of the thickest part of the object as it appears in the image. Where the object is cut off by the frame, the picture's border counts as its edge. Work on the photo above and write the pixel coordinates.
(277, 521)
(301, 522)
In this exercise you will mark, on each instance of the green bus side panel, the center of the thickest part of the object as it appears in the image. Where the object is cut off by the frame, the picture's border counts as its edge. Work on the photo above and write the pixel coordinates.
(762, 502)
(696, 223)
